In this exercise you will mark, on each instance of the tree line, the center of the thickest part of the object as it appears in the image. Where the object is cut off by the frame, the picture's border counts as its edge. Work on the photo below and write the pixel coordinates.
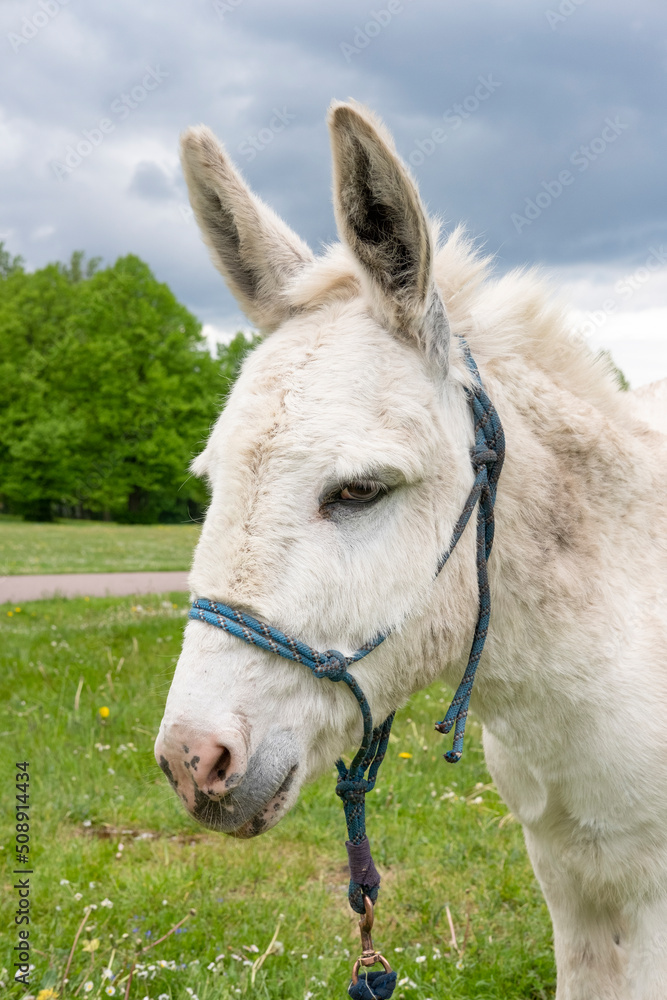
(107, 391)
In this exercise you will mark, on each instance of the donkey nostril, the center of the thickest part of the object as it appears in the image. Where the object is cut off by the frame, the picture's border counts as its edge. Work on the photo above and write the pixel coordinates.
(219, 770)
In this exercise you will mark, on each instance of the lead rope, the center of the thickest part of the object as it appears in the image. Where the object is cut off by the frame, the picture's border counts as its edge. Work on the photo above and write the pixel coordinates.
(487, 458)
(355, 781)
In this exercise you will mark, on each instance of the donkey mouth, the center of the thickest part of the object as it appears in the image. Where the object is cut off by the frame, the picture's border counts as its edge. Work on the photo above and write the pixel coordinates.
(265, 793)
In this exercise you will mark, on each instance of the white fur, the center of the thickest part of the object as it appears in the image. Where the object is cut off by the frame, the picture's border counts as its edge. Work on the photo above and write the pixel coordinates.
(572, 687)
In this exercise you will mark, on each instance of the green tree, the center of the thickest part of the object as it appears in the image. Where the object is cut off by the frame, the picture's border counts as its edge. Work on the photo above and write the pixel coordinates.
(35, 428)
(78, 268)
(107, 390)
(8, 264)
(231, 357)
(615, 370)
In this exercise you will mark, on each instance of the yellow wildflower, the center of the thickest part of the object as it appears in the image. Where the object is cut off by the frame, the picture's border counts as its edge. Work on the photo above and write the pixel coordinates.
(405, 755)
(47, 995)
(91, 945)
(104, 712)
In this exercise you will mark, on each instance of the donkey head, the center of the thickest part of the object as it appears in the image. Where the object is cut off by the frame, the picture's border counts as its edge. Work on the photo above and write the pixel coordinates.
(337, 470)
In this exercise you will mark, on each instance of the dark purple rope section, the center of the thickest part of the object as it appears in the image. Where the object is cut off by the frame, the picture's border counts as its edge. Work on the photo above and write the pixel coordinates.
(362, 866)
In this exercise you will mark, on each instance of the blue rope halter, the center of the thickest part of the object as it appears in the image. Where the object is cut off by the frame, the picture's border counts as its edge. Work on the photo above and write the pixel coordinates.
(355, 781)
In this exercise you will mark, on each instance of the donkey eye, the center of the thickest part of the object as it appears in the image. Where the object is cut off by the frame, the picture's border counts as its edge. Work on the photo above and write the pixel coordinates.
(361, 492)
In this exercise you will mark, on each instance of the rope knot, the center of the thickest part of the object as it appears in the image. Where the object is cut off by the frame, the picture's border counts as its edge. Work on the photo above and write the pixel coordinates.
(331, 664)
(377, 985)
(353, 789)
(482, 456)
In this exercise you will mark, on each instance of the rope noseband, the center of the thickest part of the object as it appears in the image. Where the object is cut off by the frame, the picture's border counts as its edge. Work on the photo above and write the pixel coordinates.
(355, 781)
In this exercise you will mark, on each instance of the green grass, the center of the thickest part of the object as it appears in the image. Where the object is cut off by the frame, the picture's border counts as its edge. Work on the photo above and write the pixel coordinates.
(93, 547)
(94, 785)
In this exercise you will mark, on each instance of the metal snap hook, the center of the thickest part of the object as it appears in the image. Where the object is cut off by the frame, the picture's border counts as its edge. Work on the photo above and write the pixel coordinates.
(369, 955)
(359, 962)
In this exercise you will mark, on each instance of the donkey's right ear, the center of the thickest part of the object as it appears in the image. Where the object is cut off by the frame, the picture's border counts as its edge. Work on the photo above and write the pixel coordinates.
(381, 219)
(255, 251)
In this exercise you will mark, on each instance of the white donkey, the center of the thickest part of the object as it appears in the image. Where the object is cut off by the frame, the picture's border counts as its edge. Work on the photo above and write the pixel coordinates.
(338, 470)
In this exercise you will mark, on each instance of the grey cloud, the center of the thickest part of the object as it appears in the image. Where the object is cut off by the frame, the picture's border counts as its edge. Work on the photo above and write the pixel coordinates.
(556, 86)
(151, 181)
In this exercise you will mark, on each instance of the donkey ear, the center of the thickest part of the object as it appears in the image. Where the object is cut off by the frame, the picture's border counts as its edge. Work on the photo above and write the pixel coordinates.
(256, 253)
(381, 218)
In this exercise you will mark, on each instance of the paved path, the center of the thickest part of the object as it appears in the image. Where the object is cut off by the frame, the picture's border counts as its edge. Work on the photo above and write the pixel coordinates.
(32, 588)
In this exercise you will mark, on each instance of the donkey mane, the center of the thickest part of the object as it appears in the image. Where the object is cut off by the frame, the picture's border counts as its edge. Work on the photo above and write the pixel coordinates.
(514, 316)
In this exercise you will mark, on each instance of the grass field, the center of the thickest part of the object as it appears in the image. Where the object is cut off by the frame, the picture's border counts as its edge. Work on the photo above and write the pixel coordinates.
(107, 832)
(93, 547)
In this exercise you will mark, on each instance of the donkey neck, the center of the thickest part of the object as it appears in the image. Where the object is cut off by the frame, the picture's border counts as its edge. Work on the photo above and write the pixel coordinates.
(572, 475)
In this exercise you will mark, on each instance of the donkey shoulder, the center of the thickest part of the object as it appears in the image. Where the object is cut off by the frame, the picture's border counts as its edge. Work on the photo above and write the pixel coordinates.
(649, 403)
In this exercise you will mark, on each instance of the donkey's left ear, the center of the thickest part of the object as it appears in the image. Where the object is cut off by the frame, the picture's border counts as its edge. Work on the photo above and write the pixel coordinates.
(381, 218)
(255, 251)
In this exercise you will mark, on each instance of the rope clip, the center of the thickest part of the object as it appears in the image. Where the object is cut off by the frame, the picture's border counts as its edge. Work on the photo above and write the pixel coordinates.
(369, 955)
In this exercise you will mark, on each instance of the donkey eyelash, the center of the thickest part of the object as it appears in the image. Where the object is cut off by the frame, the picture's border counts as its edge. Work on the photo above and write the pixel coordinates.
(335, 496)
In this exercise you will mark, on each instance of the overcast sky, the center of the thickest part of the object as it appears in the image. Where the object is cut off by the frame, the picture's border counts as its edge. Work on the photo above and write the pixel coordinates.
(542, 126)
